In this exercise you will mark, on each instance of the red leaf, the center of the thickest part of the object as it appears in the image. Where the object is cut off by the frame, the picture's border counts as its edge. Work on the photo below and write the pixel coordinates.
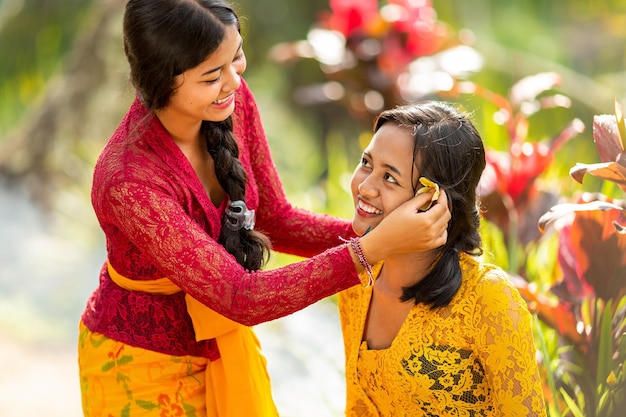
(600, 252)
(606, 137)
(553, 312)
(560, 211)
(528, 88)
(610, 171)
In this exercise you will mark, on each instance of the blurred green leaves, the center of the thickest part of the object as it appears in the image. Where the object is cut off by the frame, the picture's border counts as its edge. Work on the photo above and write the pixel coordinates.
(34, 36)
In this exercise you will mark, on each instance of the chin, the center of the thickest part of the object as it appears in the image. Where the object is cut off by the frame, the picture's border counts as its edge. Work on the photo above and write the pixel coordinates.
(360, 229)
(221, 115)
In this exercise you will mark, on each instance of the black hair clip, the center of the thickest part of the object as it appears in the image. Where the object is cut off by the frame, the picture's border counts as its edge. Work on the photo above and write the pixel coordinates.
(239, 216)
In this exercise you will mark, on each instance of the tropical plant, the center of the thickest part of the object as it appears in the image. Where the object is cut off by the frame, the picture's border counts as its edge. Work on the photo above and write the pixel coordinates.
(510, 191)
(591, 374)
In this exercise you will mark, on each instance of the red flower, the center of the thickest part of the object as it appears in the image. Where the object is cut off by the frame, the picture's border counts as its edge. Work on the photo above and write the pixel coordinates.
(526, 160)
(169, 408)
(509, 190)
(418, 20)
(516, 171)
(350, 16)
(394, 57)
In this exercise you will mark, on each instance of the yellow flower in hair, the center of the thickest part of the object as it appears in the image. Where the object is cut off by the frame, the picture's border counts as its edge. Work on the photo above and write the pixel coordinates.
(427, 186)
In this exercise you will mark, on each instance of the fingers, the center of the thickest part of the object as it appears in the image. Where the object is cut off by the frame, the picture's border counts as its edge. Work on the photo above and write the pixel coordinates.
(443, 198)
(420, 200)
(431, 224)
(439, 216)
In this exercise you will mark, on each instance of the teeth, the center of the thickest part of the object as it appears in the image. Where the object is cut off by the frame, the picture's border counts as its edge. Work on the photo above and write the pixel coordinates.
(222, 100)
(369, 209)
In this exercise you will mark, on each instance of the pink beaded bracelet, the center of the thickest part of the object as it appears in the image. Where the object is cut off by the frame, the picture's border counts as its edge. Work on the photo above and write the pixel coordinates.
(358, 251)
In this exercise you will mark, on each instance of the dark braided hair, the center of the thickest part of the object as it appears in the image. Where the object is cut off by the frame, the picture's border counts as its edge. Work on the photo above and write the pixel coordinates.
(163, 39)
(449, 151)
(250, 248)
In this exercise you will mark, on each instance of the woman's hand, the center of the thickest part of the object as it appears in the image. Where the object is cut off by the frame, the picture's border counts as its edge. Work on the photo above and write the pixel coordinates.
(406, 229)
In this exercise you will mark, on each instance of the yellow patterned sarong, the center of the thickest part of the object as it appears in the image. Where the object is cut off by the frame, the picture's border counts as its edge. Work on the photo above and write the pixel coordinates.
(121, 380)
(117, 378)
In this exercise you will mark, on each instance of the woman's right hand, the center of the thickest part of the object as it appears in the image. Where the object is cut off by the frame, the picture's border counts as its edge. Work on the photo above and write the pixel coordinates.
(407, 229)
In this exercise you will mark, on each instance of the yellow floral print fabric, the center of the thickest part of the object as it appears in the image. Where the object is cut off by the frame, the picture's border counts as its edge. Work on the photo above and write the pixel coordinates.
(121, 380)
(474, 357)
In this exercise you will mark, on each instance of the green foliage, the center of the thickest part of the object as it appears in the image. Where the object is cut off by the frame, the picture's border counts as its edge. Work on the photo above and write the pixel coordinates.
(34, 37)
(548, 351)
(493, 244)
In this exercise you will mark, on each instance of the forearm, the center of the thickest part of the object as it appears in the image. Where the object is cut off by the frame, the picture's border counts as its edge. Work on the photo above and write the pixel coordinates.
(182, 251)
(268, 295)
(305, 233)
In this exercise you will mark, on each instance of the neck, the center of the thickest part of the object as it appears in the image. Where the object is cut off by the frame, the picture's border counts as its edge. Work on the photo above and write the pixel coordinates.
(184, 131)
(404, 270)
(186, 134)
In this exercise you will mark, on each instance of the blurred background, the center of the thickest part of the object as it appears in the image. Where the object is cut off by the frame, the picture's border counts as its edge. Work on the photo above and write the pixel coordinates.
(533, 74)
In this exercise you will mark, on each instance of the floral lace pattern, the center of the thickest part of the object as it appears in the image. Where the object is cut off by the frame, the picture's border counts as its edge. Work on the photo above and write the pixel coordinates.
(159, 222)
(475, 357)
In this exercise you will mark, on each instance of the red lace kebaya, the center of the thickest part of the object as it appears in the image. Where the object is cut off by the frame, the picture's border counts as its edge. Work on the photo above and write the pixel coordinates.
(159, 222)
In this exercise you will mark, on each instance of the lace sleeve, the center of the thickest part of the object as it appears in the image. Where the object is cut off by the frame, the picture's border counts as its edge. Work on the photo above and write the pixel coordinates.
(292, 230)
(504, 335)
(154, 221)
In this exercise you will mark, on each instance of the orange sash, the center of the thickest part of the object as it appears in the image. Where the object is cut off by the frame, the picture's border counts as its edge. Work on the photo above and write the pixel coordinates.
(238, 383)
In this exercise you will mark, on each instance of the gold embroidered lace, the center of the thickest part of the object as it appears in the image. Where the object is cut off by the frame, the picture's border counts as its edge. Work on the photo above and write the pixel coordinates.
(474, 357)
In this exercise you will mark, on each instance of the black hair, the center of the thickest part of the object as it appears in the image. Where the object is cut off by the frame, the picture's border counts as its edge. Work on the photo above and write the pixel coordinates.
(163, 39)
(449, 151)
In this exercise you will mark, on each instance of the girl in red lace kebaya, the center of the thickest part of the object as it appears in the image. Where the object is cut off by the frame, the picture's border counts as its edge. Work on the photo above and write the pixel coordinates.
(189, 199)
(439, 333)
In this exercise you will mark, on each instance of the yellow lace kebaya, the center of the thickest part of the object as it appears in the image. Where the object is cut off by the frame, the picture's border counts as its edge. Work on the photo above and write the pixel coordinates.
(474, 357)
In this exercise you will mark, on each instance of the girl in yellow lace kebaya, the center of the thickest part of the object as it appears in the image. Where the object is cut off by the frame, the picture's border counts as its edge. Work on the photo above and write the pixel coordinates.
(439, 333)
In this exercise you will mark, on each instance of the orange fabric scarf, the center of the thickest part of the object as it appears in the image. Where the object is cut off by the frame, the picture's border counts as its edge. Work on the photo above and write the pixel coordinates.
(238, 383)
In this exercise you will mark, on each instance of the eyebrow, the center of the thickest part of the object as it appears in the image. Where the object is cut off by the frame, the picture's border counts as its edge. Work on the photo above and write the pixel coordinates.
(222, 66)
(392, 168)
(389, 167)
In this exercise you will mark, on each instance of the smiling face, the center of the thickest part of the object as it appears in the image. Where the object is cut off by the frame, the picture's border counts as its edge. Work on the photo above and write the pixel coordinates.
(206, 92)
(385, 177)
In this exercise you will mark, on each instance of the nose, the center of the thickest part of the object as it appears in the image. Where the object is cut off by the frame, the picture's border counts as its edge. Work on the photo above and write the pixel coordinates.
(233, 80)
(234, 71)
(367, 187)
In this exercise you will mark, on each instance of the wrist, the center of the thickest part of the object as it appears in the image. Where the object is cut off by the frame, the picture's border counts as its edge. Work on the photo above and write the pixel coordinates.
(360, 259)
(373, 249)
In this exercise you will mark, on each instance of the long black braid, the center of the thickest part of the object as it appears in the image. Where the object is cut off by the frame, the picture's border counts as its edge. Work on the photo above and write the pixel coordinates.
(250, 248)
